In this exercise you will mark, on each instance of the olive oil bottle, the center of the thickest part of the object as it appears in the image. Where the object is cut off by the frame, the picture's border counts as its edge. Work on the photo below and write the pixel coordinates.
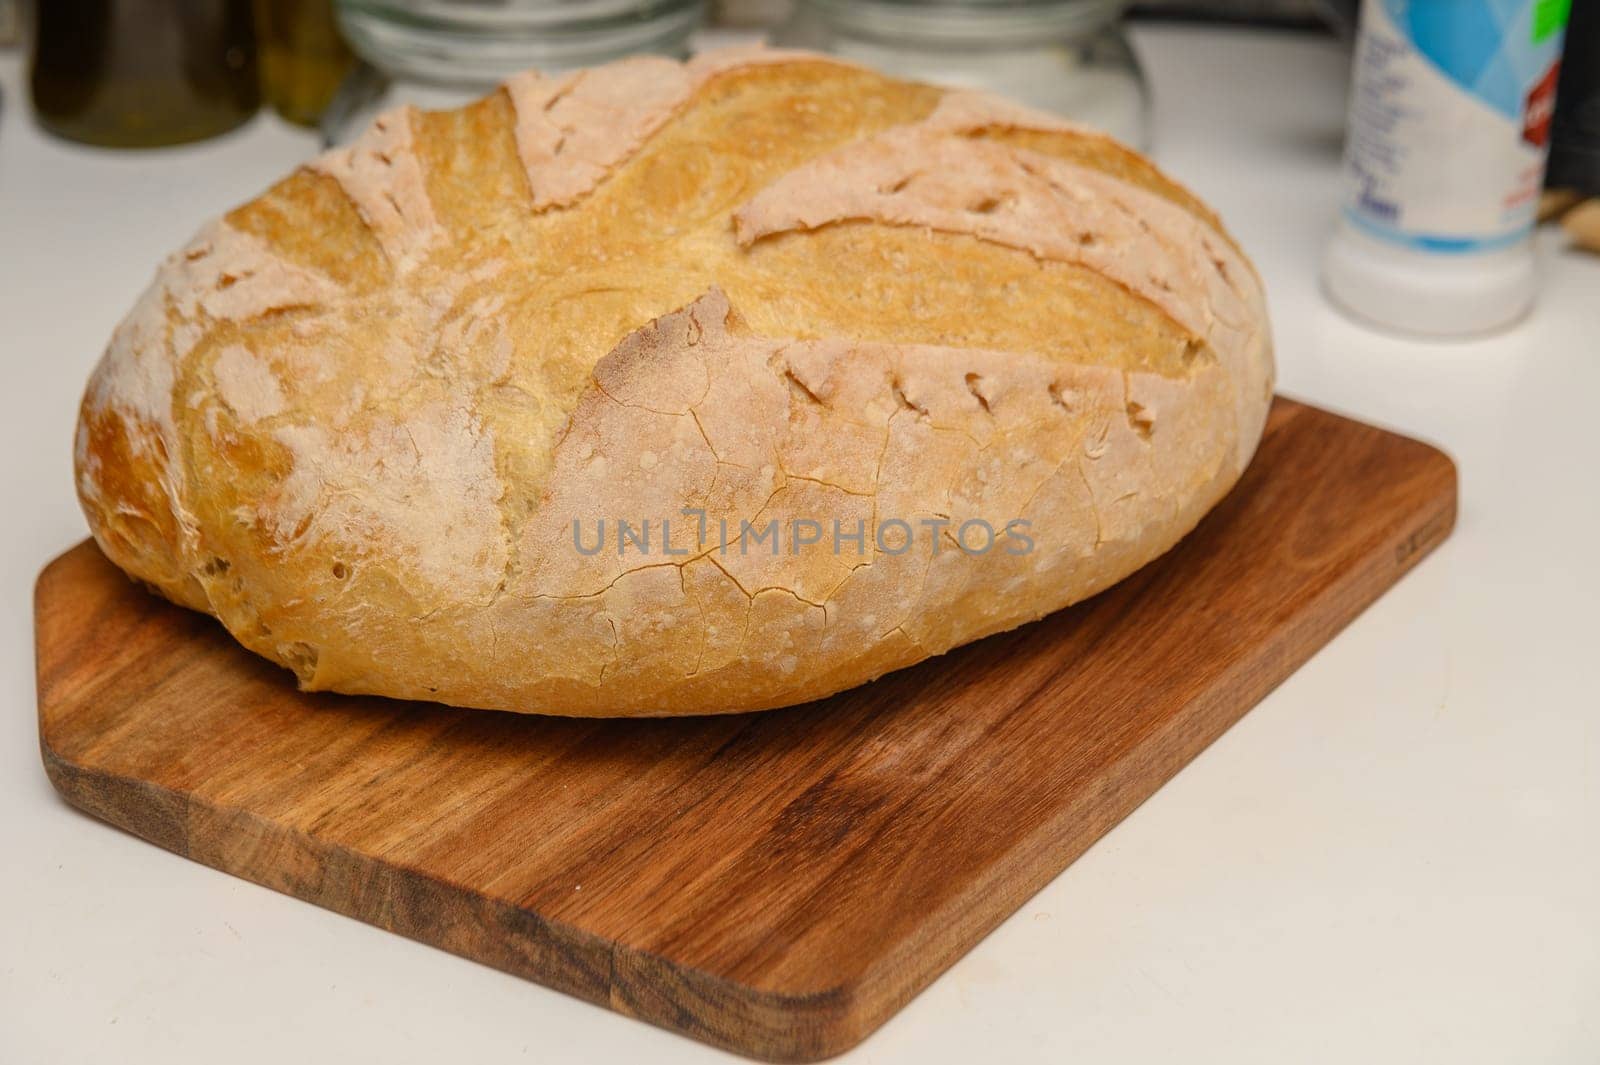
(143, 73)
(303, 57)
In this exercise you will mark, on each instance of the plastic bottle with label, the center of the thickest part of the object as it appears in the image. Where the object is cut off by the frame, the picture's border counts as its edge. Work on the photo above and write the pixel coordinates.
(1444, 158)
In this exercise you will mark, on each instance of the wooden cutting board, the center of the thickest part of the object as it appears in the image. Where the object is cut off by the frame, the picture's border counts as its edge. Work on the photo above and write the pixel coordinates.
(778, 884)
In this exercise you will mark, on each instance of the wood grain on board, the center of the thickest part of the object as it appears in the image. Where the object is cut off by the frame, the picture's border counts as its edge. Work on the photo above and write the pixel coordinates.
(778, 884)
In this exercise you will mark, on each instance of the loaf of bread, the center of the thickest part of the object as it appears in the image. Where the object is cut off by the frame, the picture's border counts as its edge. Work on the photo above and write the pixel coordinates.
(665, 388)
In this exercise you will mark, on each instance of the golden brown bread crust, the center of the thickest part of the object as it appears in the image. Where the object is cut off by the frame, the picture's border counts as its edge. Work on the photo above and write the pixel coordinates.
(357, 418)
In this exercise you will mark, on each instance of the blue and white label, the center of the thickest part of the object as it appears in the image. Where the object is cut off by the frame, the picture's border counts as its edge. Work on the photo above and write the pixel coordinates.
(1439, 152)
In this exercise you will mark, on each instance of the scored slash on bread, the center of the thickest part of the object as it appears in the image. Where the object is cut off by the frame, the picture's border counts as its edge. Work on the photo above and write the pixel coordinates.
(357, 418)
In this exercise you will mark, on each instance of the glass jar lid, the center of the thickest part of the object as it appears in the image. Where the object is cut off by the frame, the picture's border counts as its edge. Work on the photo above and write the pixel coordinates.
(480, 42)
(969, 23)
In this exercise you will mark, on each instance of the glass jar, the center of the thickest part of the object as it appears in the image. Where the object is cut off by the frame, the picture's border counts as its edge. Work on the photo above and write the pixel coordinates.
(1069, 57)
(143, 73)
(478, 43)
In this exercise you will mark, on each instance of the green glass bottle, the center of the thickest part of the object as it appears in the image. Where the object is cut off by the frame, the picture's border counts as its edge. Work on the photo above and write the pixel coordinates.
(143, 73)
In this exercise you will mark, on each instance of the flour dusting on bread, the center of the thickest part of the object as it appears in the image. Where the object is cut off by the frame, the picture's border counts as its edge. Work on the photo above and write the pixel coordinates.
(504, 414)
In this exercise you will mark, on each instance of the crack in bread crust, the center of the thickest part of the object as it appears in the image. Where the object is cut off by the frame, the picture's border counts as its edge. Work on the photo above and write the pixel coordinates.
(362, 419)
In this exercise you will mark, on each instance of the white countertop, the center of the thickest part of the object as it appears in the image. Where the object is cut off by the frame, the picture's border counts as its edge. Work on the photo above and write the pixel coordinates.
(1394, 858)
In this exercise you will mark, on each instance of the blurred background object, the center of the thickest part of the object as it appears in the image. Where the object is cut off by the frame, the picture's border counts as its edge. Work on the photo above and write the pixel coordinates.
(1339, 15)
(745, 14)
(303, 57)
(1445, 152)
(142, 73)
(1335, 14)
(1573, 179)
(10, 22)
(1575, 130)
(444, 53)
(10, 28)
(478, 43)
(1065, 56)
